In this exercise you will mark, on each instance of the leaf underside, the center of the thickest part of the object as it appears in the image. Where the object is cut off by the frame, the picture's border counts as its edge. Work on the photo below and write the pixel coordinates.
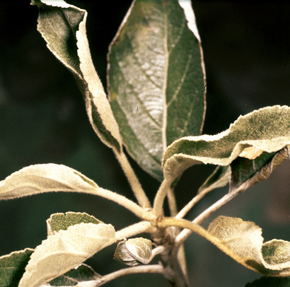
(156, 82)
(242, 240)
(63, 28)
(267, 129)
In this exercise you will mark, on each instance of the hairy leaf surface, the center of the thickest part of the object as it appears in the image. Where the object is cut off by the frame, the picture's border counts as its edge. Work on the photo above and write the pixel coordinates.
(41, 178)
(61, 221)
(243, 241)
(156, 80)
(267, 129)
(65, 250)
(63, 27)
(12, 267)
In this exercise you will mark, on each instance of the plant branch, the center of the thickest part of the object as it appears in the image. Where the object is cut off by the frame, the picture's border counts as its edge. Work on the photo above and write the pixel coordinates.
(172, 202)
(127, 271)
(183, 235)
(134, 229)
(159, 198)
(125, 202)
(133, 180)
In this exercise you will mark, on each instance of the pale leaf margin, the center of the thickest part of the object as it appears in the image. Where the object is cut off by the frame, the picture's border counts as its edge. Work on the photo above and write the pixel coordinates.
(43, 178)
(267, 129)
(80, 63)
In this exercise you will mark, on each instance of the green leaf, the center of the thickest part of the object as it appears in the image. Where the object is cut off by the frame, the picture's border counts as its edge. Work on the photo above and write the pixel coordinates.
(41, 178)
(12, 267)
(62, 221)
(242, 240)
(82, 273)
(64, 250)
(156, 81)
(246, 173)
(267, 129)
(63, 27)
(270, 282)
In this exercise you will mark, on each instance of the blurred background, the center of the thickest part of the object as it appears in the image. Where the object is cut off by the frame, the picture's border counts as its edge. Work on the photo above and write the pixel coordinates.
(43, 119)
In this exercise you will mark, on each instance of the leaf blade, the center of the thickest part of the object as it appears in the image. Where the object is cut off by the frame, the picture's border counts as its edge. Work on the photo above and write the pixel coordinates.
(64, 250)
(266, 129)
(153, 59)
(12, 267)
(63, 28)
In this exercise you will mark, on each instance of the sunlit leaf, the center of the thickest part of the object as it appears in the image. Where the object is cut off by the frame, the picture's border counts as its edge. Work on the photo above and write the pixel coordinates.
(65, 250)
(41, 178)
(156, 80)
(267, 129)
(63, 28)
(243, 241)
(61, 221)
(12, 267)
(82, 273)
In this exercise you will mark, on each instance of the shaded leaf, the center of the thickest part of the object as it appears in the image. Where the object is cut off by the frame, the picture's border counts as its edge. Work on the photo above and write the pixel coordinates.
(64, 250)
(63, 28)
(12, 267)
(270, 282)
(134, 251)
(242, 240)
(219, 178)
(81, 273)
(41, 178)
(156, 80)
(267, 129)
(61, 221)
(246, 173)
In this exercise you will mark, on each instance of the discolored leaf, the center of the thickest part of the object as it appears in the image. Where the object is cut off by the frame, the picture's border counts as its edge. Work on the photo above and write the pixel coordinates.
(81, 273)
(41, 178)
(242, 240)
(267, 129)
(156, 80)
(61, 221)
(12, 267)
(63, 28)
(64, 250)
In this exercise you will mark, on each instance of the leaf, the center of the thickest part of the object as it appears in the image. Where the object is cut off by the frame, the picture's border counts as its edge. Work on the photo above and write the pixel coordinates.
(270, 282)
(41, 178)
(134, 251)
(246, 173)
(267, 129)
(12, 267)
(81, 273)
(61, 221)
(63, 28)
(156, 80)
(219, 178)
(242, 240)
(64, 250)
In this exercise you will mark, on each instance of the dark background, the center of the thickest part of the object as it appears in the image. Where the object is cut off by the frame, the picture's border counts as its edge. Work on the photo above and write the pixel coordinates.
(43, 119)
